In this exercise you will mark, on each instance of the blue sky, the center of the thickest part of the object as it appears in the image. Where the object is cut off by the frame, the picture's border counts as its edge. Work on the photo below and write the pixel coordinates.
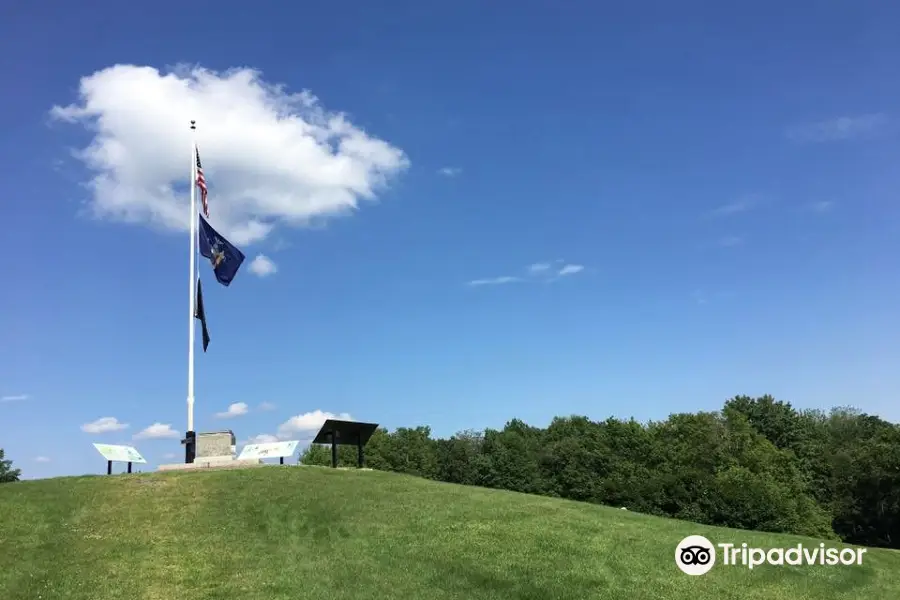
(726, 177)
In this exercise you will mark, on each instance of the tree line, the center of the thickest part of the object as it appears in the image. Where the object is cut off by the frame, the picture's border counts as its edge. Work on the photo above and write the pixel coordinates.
(758, 464)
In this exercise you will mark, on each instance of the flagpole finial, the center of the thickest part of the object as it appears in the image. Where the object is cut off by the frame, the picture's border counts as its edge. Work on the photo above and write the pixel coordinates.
(193, 125)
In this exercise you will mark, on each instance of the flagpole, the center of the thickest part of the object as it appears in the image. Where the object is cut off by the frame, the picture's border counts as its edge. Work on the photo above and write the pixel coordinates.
(190, 436)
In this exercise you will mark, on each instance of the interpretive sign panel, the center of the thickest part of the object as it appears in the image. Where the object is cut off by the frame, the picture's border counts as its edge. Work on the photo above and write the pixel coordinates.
(119, 453)
(270, 450)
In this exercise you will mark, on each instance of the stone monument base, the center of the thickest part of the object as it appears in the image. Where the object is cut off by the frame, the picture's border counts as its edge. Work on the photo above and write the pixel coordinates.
(216, 462)
(213, 450)
(216, 444)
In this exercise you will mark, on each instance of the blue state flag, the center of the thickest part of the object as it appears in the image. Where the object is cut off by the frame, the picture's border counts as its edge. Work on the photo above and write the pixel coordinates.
(225, 258)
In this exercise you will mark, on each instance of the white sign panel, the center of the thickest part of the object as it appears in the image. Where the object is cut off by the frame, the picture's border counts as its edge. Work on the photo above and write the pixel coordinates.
(119, 453)
(271, 450)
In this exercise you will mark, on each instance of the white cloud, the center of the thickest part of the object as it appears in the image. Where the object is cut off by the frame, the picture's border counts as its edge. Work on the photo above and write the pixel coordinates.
(104, 425)
(839, 129)
(493, 281)
(267, 406)
(234, 410)
(157, 431)
(262, 265)
(269, 156)
(14, 398)
(571, 270)
(740, 205)
(307, 424)
(543, 271)
(262, 438)
(41, 459)
(450, 171)
(169, 455)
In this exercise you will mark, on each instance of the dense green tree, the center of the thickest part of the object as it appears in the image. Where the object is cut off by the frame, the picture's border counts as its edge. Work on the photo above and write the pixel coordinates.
(573, 459)
(413, 452)
(378, 450)
(7, 473)
(316, 454)
(865, 478)
(459, 458)
(776, 421)
(757, 464)
(513, 458)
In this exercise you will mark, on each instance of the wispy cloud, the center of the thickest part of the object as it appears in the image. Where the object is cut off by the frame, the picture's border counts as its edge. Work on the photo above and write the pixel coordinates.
(494, 280)
(822, 206)
(104, 425)
(14, 398)
(157, 431)
(450, 171)
(234, 410)
(41, 459)
(551, 270)
(839, 129)
(542, 271)
(280, 244)
(540, 267)
(741, 205)
(267, 406)
(262, 438)
(570, 270)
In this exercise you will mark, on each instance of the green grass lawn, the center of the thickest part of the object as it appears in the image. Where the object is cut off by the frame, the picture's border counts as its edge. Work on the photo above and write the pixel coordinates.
(295, 532)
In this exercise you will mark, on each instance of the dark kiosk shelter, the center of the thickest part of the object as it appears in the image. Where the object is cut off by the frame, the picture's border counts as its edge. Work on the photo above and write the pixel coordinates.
(345, 433)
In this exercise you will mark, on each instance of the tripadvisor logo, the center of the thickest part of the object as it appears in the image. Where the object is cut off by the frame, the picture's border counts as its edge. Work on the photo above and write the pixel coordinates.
(696, 555)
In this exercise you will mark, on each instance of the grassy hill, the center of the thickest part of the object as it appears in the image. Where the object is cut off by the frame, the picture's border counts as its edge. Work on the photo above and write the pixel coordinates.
(292, 533)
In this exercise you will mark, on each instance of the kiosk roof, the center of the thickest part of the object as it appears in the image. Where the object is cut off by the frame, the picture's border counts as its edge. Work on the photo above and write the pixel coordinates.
(345, 432)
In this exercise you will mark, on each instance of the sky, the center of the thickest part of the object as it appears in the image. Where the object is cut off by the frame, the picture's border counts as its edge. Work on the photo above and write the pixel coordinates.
(454, 214)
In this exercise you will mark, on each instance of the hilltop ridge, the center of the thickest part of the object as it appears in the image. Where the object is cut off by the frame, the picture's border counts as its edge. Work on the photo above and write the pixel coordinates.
(289, 532)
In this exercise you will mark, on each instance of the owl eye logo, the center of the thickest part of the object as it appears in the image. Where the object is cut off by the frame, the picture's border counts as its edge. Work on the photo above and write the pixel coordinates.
(695, 555)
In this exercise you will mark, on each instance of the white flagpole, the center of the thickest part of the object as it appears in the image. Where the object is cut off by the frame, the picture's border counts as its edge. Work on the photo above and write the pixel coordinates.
(191, 291)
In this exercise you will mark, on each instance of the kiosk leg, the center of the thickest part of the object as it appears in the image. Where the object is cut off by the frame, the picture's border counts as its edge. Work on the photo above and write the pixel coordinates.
(109, 467)
(333, 451)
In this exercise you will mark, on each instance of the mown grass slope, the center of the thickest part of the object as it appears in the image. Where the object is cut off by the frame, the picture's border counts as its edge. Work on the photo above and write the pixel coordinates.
(295, 532)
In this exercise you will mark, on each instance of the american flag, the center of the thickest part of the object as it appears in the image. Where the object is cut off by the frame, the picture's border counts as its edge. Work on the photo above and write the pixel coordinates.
(201, 183)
